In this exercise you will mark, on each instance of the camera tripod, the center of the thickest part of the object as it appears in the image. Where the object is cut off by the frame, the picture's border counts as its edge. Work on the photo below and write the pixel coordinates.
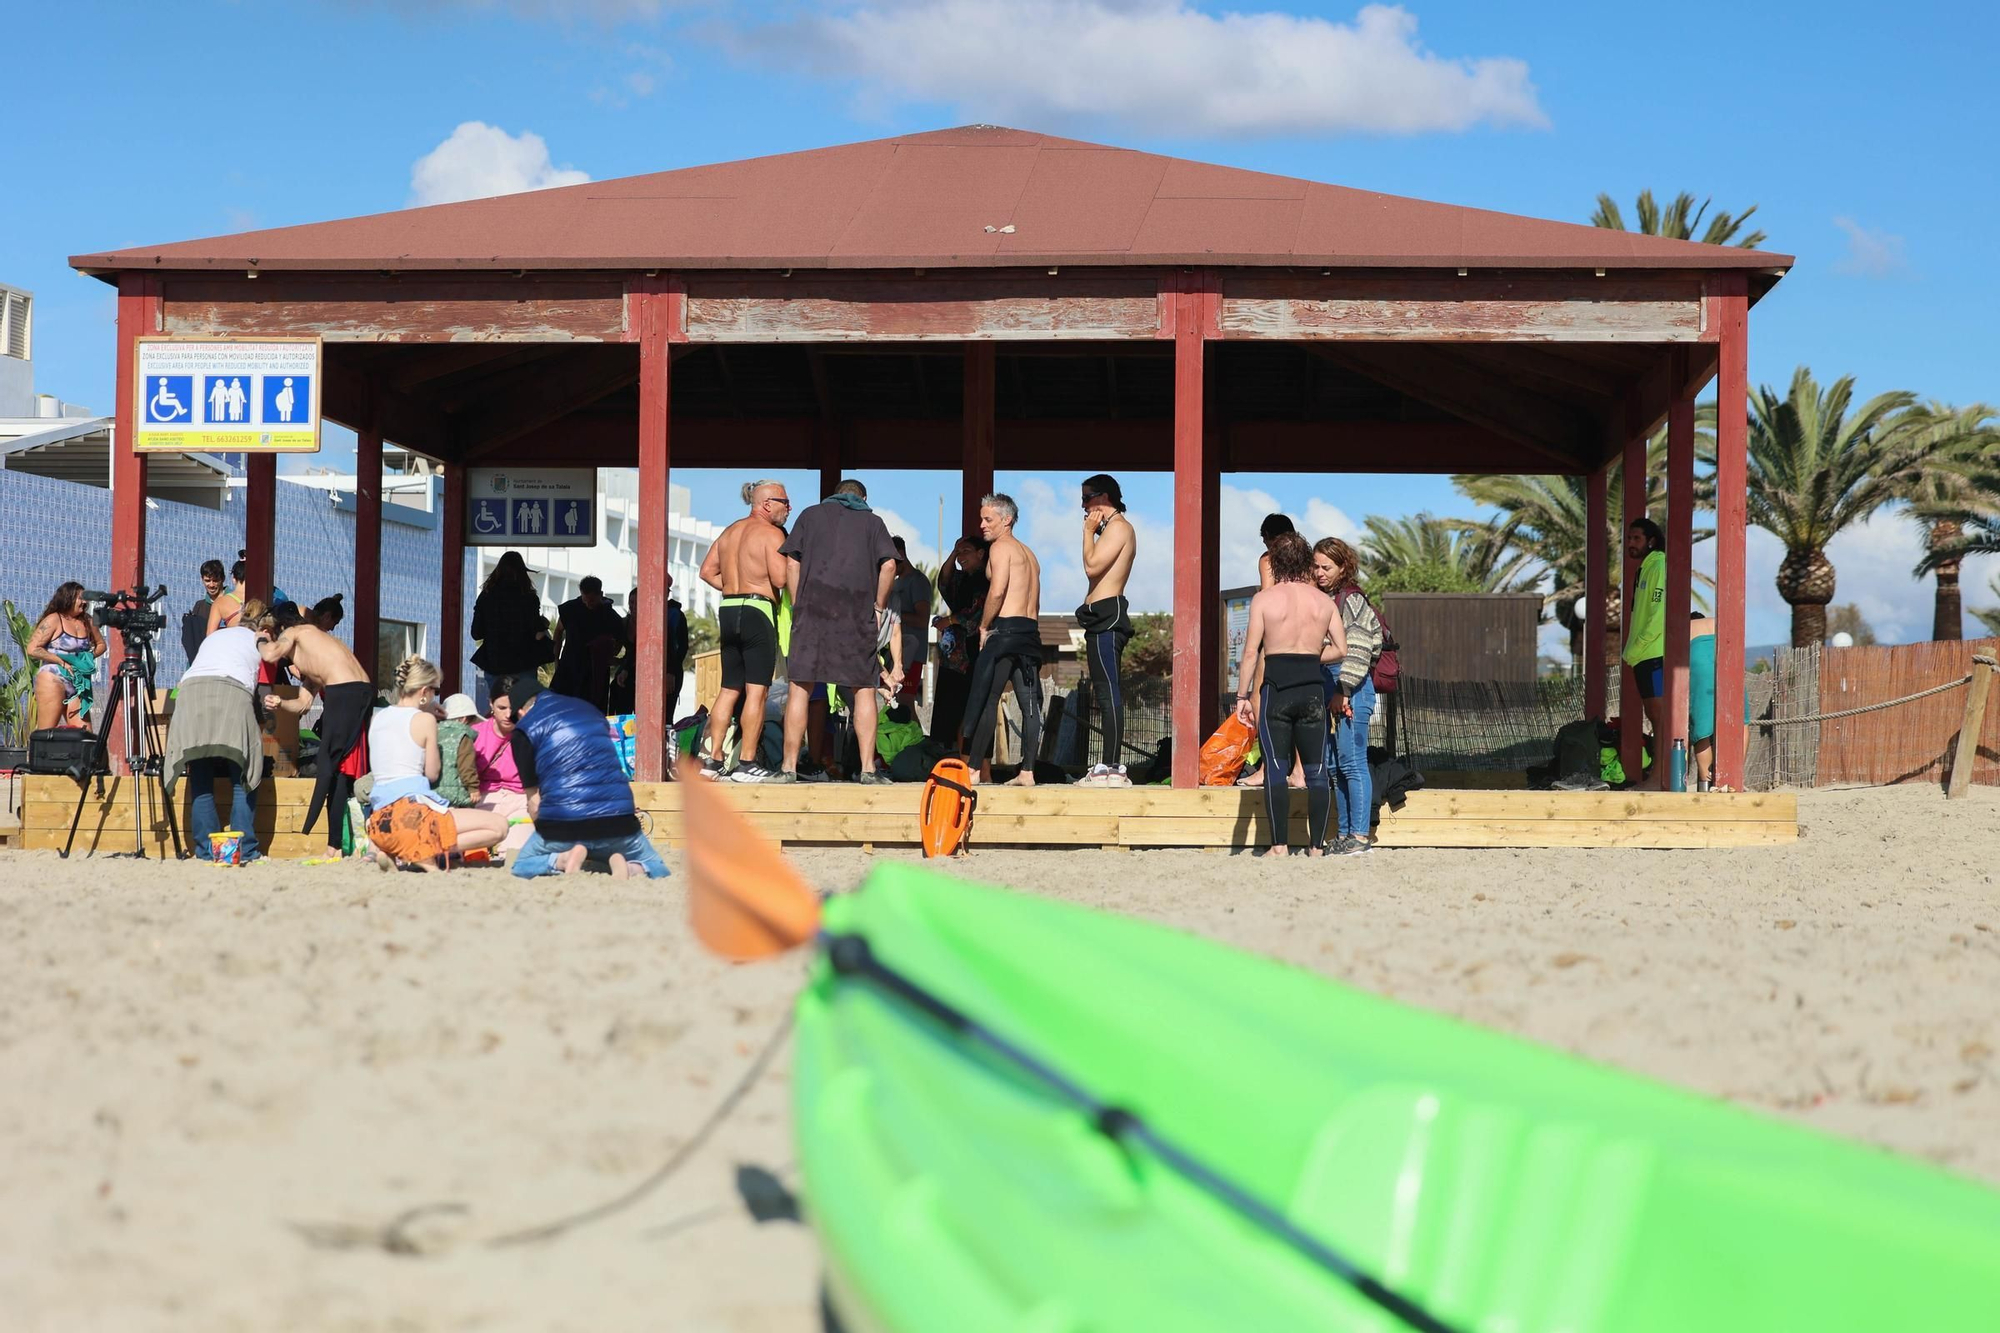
(145, 749)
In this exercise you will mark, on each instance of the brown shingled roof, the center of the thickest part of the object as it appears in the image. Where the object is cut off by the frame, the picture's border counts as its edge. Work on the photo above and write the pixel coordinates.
(938, 200)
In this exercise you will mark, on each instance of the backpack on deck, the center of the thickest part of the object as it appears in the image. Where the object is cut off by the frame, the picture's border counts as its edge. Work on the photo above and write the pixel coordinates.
(944, 816)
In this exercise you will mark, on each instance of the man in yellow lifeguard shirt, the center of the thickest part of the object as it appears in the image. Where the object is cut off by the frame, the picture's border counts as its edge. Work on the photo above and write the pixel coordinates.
(1646, 636)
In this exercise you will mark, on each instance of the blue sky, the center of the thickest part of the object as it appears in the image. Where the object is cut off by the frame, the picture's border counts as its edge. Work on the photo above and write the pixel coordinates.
(1863, 135)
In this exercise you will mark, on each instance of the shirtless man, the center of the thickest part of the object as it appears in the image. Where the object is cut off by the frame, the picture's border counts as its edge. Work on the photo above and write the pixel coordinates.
(1109, 546)
(1293, 626)
(745, 567)
(1010, 640)
(321, 661)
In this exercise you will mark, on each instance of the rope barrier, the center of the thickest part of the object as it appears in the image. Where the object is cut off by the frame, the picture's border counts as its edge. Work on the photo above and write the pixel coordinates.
(1865, 708)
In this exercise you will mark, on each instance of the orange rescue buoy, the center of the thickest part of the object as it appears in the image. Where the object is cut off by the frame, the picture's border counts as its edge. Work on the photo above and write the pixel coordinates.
(945, 816)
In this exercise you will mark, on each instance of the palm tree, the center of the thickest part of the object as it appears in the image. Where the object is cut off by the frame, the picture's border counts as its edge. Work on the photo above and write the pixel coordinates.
(1947, 495)
(1464, 556)
(1679, 220)
(1816, 467)
(1991, 619)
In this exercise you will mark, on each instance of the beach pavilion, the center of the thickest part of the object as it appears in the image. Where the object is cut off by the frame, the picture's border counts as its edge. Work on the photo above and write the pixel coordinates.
(1002, 300)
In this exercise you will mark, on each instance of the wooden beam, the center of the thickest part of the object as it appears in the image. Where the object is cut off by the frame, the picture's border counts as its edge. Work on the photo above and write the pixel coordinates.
(260, 515)
(1730, 317)
(501, 373)
(1560, 438)
(1541, 308)
(1597, 591)
(434, 363)
(1679, 527)
(354, 401)
(1631, 713)
(976, 444)
(367, 612)
(1104, 307)
(1196, 506)
(1965, 751)
(659, 307)
(451, 580)
(577, 382)
(138, 316)
(1437, 447)
(1129, 444)
(409, 309)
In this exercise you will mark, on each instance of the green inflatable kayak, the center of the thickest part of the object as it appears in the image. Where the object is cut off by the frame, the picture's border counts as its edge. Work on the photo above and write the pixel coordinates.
(1490, 1183)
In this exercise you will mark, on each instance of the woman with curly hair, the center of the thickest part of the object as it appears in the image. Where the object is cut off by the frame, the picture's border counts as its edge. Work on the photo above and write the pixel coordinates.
(67, 643)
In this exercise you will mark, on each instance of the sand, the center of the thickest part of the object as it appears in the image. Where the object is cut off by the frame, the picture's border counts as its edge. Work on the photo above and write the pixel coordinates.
(223, 1089)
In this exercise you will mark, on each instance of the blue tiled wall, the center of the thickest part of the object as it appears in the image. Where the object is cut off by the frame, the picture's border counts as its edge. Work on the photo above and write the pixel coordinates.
(52, 531)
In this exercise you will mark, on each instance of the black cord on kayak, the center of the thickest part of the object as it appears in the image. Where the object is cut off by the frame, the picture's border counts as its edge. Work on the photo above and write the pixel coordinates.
(852, 956)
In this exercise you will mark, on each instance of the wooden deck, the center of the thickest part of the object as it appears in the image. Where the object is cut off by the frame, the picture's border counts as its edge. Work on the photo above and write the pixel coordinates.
(848, 815)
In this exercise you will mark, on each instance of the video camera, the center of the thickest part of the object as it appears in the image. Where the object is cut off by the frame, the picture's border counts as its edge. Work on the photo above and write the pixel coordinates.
(130, 613)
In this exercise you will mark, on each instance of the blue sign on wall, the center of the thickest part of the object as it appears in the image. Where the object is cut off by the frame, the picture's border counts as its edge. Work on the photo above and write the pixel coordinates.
(170, 399)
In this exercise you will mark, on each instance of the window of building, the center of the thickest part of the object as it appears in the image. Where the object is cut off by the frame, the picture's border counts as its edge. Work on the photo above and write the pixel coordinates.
(16, 323)
(398, 639)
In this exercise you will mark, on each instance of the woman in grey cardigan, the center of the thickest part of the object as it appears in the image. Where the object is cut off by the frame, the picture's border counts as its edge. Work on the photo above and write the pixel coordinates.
(1350, 694)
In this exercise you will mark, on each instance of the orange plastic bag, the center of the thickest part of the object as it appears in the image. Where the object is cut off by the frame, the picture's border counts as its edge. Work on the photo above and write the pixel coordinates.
(1222, 754)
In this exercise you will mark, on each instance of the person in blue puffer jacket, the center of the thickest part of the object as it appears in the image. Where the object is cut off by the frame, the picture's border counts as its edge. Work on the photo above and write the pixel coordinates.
(577, 792)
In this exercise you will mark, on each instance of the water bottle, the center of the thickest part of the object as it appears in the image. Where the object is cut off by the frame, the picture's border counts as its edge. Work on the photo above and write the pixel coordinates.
(1677, 772)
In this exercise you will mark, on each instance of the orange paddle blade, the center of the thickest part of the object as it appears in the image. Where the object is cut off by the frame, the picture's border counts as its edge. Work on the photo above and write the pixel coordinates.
(744, 901)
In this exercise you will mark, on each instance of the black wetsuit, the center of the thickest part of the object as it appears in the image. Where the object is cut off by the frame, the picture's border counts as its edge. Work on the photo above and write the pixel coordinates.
(748, 622)
(1107, 628)
(1291, 719)
(1013, 651)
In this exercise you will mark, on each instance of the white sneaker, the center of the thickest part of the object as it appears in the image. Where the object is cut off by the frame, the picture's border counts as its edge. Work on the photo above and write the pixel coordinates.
(1098, 776)
(1115, 777)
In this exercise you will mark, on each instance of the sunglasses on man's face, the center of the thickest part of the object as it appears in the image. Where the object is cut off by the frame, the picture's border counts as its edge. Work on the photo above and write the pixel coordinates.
(1091, 497)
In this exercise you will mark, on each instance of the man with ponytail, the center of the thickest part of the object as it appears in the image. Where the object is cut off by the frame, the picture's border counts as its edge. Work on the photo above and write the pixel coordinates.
(327, 669)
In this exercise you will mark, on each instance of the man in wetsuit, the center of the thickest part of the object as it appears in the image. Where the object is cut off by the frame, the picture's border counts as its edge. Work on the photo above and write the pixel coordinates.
(1109, 546)
(329, 670)
(1292, 626)
(1010, 640)
(745, 566)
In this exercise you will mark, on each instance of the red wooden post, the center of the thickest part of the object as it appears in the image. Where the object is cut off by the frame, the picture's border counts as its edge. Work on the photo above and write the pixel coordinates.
(1210, 565)
(139, 313)
(451, 587)
(260, 519)
(976, 481)
(367, 617)
(1631, 713)
(1596, 590)
(1729, 315)
(659, 302)
(1680, 562)
(826, 453)
(1196, 500)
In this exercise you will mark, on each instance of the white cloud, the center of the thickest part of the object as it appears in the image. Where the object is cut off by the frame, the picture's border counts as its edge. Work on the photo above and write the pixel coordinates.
(920, 551)
(1160, 65)
(1243, 513)
(481, 160)
(1870, 253)
(1871, 563)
